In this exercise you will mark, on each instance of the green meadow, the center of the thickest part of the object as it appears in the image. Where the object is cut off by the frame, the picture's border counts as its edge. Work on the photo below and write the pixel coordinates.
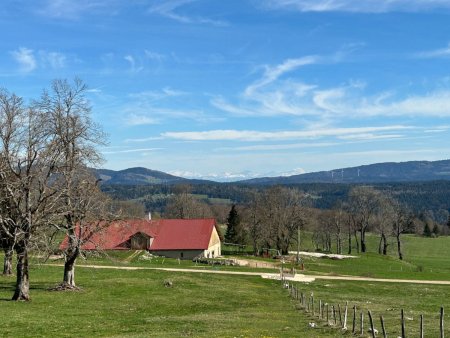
(122, 303)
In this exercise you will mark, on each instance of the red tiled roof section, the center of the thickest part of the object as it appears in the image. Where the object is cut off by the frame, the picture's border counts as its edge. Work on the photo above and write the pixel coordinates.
(187, 234)
(168, 234)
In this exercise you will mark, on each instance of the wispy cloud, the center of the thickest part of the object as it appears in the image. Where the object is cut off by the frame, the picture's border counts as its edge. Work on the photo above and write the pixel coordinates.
(29, 60)
(134, 68)
(69, 9)
(140, 150)
(273, 73)
(253, 135)
(53, 60)
(170, 9)
(25, 58)
(363, 6)
(140, 120)
(279, 91)
(437, 53)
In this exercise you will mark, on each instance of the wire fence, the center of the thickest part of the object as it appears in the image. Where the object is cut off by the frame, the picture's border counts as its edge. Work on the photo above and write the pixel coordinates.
(351, 319)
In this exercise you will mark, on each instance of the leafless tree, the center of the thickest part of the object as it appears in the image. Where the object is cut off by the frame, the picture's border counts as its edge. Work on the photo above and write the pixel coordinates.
(29, 157)
(184, 205)
(282, 213)
(363, 201)
(402, 222)
(77, 138)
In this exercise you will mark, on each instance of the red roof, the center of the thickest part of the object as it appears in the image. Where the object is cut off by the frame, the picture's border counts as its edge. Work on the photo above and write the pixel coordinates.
(185, 234)
(167, 234)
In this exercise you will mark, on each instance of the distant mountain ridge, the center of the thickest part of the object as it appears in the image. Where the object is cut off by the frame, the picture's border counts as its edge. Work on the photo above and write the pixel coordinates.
(137, 176)
(412, 171)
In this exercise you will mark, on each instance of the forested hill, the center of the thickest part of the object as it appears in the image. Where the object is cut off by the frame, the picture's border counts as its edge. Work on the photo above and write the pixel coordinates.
(413, 171)
(140, 176)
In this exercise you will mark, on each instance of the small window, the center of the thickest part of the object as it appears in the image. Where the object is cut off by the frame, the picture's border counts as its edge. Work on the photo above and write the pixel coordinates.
(181, 254)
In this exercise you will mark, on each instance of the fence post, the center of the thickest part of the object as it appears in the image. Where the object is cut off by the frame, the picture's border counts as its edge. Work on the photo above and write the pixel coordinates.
(383, 327)
(334, 315)
(354, 319)
(362, 323)
(441, 322)
(372, 329)
(340, 315)
(345, 316)
(403, 324)
(421, 326)
(312, 304)
(328, 318)
(320, 309)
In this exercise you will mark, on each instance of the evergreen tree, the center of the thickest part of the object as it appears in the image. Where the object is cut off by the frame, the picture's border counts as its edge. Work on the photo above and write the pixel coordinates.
(233, 225)
(427, 230)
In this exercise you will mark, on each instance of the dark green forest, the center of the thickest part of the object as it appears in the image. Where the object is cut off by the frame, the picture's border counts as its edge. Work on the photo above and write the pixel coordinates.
(432, 197)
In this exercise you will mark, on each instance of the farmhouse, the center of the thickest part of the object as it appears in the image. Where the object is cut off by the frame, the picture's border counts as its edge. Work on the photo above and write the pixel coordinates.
(174, 238)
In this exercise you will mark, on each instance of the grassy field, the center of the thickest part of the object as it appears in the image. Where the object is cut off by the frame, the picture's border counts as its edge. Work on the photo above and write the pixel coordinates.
(118, 303)
(137, 304)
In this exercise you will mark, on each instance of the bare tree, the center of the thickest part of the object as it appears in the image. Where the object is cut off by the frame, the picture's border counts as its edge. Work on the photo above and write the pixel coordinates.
(76, 137)
(402, 222)
(282, 212)
(28, 161)
(184, 205)
(383, 221)
(363, 201)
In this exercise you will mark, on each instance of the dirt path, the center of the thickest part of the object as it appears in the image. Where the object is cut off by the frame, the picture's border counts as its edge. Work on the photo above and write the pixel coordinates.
(297, 278)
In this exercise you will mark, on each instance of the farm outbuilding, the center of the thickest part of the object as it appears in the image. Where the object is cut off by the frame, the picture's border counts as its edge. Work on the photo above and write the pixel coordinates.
(174, 238)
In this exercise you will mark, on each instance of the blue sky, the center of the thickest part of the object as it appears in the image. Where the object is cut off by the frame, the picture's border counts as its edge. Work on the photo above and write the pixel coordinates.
(243, 88)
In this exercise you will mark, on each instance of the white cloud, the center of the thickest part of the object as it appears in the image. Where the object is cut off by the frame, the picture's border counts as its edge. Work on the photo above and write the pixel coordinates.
(252, 135)
(139, 120)
(276, 147)
(363, 6)
(154, 56)
(168, 9)
(437, 53)
(25, 58)
(273, 73)
(133, 64)
(109, 152)
(273, 96)
(53, 59)
(69, 9)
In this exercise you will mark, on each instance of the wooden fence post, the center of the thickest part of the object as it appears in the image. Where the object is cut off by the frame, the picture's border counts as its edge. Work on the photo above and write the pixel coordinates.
(312, 304)
(354, 319)
(345, 316)
(421, 326)
(320, 309)
(441, 322)
(372, 329)
(403, 324)
(334, 315)
(340, 315)
(328, 321)
(383, 328)
(362, 323)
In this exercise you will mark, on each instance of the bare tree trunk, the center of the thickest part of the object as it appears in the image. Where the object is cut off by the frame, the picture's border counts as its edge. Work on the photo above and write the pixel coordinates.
(349, 240)
(385, 244)
(363, 240)
(380, 244)
(356, 241)
(22, 291)
(399, 247)
(7, 265)
(69, 274)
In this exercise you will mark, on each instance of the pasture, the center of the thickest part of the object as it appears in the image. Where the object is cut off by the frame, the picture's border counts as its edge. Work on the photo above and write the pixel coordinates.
(117, 303)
